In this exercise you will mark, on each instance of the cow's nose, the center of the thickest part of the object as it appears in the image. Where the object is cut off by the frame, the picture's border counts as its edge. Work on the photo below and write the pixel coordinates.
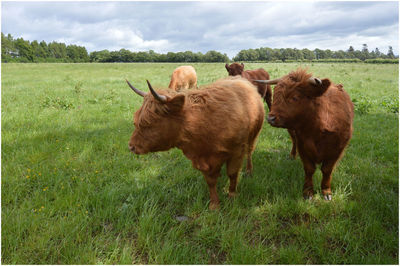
(271, 119)
(132, 148)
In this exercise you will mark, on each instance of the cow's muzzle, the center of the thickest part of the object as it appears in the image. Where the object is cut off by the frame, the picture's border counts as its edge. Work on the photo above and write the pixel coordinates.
(271, 120)
(132, 148)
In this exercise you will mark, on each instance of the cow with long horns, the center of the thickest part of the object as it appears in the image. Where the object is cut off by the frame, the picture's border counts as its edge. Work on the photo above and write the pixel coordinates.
(319, 116)
(264, 90)
(212, 126)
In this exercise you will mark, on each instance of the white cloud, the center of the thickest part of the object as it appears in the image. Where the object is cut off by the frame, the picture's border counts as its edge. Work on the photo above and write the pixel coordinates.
(227, 27)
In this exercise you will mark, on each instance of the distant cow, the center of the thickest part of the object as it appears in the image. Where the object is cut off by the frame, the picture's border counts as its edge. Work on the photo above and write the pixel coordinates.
(263, 89)
(319, 116)
(212, 126)
(183, 77)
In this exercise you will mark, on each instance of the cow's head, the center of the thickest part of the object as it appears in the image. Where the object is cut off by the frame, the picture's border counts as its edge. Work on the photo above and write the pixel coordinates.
(157, 122)
(294, 98)
(234, 69)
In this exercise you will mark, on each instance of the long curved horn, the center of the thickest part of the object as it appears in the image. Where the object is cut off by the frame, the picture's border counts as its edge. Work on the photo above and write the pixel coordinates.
(161, 98)
(315, 81)
(272, 81)
(141, 93)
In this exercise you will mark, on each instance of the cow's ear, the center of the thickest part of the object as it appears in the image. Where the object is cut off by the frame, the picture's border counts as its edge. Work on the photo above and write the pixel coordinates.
(324, 87)
(242, 65)
(318, 89)
(176, 103)
(226, 66)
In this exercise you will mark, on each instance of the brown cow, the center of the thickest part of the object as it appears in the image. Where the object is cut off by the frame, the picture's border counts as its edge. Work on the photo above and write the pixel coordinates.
(319, 116)
(183, 77)
(217, 124)
(263, 89)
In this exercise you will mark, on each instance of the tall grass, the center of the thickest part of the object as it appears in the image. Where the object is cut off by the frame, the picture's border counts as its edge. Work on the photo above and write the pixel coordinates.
(72, 193)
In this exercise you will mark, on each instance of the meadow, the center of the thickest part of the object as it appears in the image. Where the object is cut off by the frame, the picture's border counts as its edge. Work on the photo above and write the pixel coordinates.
(72, 193)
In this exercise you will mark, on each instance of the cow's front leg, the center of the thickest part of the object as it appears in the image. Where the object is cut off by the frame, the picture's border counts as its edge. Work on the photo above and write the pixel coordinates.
(309, 170)
(327, 168)
(211, 179)
(293, 152)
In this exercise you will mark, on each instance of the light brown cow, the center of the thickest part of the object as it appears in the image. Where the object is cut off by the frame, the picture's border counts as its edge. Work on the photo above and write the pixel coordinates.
(263, 89)
(183, 77)
(319, 116)
(212, 126)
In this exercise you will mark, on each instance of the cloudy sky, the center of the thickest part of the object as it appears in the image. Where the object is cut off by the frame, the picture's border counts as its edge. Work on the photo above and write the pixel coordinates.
(224, 26)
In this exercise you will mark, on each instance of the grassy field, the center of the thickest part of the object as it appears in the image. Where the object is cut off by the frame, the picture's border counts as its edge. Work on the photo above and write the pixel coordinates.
(72, 193)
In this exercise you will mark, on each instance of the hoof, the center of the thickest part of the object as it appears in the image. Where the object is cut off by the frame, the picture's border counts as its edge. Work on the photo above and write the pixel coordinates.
(213, 207)
(308, 193)
(308, 197)
(328, 197)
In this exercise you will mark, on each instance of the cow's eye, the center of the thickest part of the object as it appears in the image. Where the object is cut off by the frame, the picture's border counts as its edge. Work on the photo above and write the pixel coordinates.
(295, 99)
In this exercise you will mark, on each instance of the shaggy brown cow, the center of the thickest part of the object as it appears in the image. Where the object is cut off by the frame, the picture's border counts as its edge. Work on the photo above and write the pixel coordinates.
(319, 116)
(183, 77)
(217, 124)
(263, 89)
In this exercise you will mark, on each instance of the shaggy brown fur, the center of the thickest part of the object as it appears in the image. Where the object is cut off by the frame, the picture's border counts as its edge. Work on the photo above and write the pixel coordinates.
(263, 89)
(183, 77)
(212, 126)
(319, 116)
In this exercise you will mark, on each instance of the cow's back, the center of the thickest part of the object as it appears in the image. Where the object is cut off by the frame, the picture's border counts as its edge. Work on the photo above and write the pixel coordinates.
(263, 89)
(224, 114)
(260, 74)
(183, 77)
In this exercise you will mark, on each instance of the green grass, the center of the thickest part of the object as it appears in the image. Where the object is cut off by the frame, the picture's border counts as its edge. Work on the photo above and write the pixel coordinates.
(72, 193)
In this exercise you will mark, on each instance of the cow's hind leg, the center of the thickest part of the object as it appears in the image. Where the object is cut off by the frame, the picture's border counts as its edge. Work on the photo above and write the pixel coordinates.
(233, 166)
(251, 145)
(327, 169)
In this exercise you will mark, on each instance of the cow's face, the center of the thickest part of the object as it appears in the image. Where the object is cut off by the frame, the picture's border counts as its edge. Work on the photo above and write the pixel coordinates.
(234, 69)
(157, 123)
(294, 98)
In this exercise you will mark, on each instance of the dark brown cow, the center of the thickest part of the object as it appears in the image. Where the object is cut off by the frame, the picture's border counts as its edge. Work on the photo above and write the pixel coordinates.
(319, 116)
(263, 89)
(212, 126)
(183, 77)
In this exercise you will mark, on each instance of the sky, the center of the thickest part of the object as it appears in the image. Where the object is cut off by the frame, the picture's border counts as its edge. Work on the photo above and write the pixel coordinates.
(201, 26)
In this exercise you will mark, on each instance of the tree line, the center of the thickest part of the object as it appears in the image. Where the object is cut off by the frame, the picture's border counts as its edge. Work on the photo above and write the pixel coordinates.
(293, 54)
(24, 51)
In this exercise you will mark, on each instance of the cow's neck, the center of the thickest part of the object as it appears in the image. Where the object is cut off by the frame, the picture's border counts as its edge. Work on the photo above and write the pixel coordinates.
(191, 136)
(310, 125)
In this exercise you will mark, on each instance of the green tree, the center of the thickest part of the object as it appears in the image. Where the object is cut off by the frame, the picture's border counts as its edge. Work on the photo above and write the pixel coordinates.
(364, 52)
(7, 48)
(126, 55)
(377, 52)
(339, 54)
(319, 54)
(58, 51)
(308, 54)
(350, 52)
(390, 53)
(24, 50)
(100, 56)
(214, 56)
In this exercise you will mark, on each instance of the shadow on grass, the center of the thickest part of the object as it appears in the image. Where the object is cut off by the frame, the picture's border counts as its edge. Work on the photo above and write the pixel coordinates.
(275, 175)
